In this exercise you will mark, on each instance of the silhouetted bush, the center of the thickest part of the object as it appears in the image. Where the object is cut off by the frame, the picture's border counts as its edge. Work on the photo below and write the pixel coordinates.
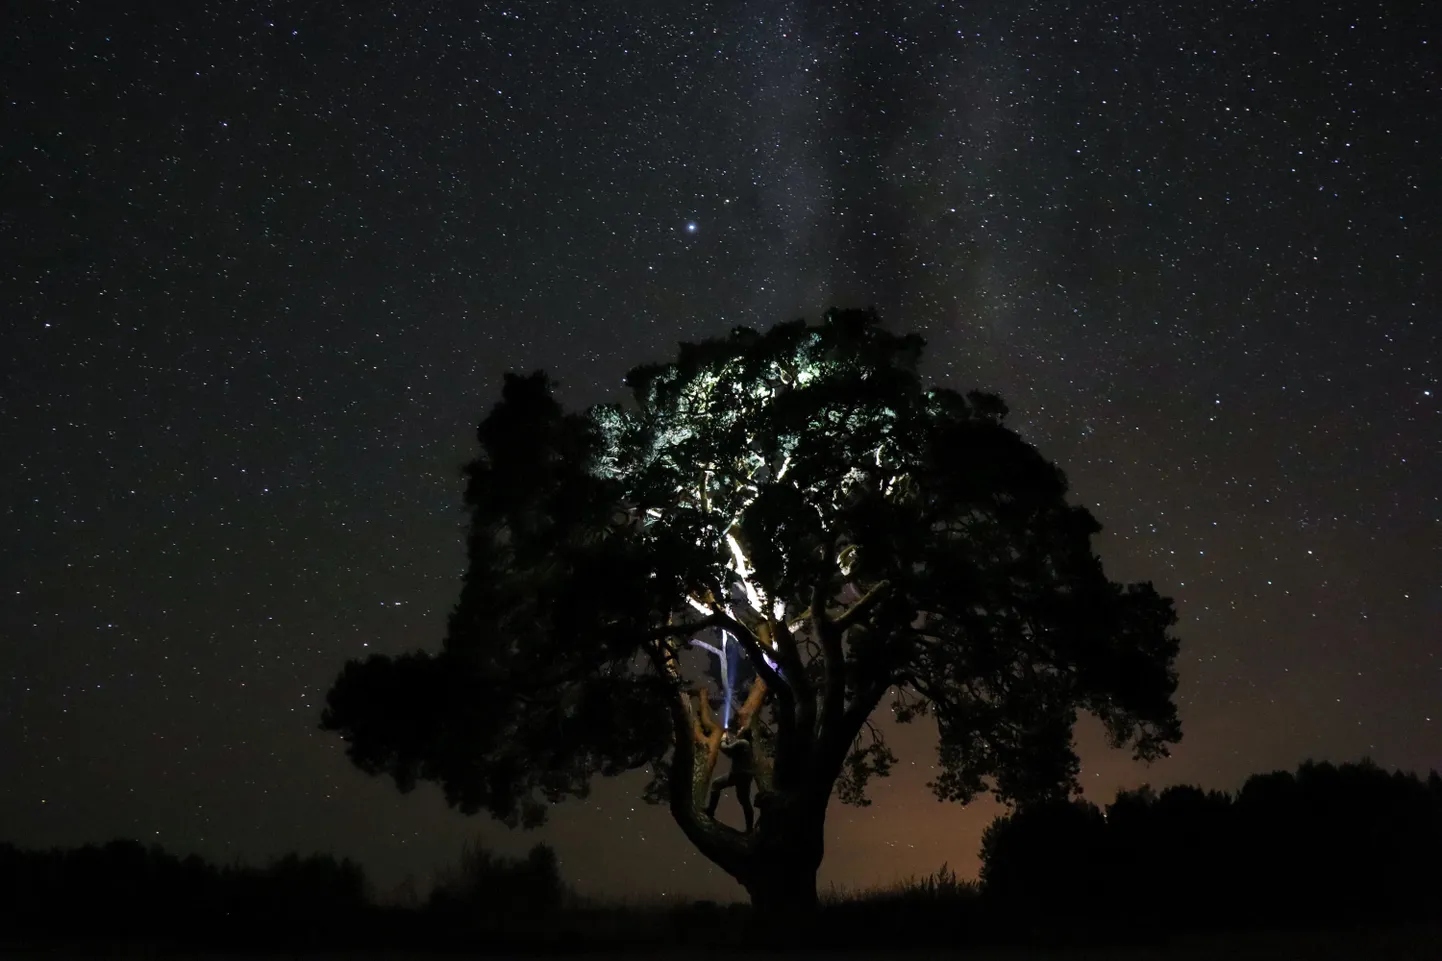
(487, 885)
(1047, 854)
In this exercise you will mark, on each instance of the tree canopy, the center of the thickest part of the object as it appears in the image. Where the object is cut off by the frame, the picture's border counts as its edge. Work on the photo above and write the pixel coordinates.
(799, 494)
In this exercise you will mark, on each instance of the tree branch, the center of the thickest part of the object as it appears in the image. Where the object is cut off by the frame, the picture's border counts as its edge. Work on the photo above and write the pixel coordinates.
(706, 720)
(754, 699)
(790, 658)
(708, 732)
(676, 630)
(715, 841)
(755, 653)
(839, 736)
(786, 700)
(859, 609)
(833, 661)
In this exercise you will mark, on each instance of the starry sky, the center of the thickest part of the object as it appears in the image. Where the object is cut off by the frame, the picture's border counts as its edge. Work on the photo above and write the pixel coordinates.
(263, 265)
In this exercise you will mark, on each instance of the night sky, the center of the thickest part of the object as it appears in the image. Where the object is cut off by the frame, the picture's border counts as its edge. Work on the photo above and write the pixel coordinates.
(263, 265)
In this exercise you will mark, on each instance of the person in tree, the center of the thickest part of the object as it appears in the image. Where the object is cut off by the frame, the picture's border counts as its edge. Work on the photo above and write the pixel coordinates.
(801, 503)
(738, 746)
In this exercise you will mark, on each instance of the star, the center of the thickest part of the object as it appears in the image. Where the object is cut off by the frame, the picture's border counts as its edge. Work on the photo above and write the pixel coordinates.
(388, 257)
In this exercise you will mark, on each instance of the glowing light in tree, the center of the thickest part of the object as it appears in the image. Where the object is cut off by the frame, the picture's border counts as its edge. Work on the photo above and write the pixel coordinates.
(797, 507)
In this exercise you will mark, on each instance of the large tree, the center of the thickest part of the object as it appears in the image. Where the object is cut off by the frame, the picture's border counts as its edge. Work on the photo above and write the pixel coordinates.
(799, 496)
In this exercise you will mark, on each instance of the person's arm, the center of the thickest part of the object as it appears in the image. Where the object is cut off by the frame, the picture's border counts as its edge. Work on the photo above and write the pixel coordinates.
(739, 751)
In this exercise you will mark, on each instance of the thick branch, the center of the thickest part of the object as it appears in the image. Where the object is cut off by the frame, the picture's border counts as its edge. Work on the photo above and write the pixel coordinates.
(706, 721)
(754, 699)
(830, 632)
(790, 657)
(833, 661)
(838, 737)
(711, 839)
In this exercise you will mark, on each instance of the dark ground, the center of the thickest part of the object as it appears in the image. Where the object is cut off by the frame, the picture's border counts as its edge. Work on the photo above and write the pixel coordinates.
(1420, 942)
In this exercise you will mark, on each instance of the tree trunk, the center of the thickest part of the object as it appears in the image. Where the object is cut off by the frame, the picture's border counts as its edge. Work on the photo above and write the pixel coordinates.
(780, 873)
(776, 864)
(783, 887)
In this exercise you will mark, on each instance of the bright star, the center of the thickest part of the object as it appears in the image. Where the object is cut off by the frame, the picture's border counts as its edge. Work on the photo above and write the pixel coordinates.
(691, 228)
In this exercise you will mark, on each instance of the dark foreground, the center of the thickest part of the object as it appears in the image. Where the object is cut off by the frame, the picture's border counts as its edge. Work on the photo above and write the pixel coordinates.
(1062, 883)
(1422, 943)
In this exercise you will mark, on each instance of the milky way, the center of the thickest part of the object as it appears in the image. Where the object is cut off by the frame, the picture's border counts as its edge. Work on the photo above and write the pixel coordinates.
(265, 264)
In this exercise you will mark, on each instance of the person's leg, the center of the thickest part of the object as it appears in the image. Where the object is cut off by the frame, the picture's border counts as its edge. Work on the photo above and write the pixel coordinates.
(743, 794)
(717, 786)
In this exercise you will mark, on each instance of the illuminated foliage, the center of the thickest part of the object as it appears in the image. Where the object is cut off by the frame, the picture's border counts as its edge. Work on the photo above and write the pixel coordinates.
(857, 534)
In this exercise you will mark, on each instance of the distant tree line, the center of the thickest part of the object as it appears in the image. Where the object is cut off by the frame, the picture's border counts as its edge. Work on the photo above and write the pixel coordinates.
(486, 885)
(1328, 844)
(124, 890)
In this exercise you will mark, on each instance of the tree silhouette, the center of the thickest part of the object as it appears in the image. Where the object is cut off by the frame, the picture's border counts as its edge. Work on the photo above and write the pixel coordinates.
(799, 494)
(1047, 855)
(122, 890)
(1328, 844)
(484, 884)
